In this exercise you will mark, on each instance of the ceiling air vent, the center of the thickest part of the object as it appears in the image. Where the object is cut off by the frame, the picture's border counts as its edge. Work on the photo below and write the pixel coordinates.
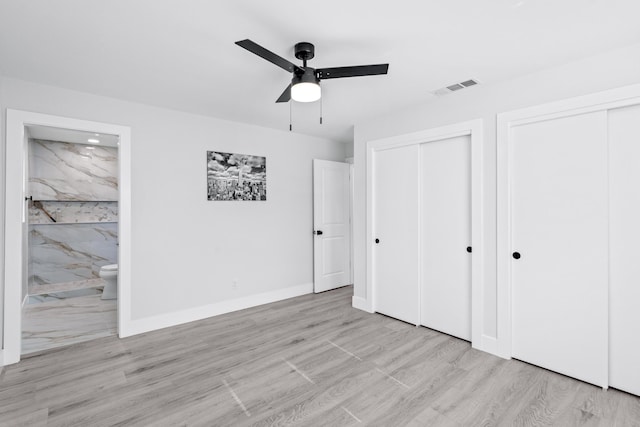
(455, 87)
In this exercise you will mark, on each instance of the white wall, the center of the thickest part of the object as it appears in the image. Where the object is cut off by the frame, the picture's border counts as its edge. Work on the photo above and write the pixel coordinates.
(609, 70)
(186, 251)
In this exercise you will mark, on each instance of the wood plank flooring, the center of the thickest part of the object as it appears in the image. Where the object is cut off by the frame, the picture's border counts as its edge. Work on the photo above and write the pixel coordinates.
(307, 361)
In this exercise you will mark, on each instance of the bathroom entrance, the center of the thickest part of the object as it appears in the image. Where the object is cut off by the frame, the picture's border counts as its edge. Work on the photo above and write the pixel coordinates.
(67, 233)
(71, 237)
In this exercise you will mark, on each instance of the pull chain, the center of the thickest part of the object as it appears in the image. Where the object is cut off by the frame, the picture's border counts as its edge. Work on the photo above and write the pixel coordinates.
(290, 127)
(320, 110)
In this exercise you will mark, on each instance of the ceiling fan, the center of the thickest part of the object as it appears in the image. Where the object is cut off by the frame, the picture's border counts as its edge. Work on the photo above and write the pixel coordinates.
(305, 84)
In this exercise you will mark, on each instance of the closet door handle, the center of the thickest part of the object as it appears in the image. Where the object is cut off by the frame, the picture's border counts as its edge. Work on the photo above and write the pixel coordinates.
(318, 232)
(377, 241)
(469, 249)
(516, 255)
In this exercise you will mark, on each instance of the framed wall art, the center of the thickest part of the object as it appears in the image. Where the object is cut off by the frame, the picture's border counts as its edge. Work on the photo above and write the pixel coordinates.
(232, 176)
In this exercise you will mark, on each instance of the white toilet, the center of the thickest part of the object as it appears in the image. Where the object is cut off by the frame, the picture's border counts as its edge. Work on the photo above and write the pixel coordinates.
(110, 275)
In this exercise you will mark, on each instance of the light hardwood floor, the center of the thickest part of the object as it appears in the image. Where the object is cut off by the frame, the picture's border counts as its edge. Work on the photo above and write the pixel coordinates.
(308, 361)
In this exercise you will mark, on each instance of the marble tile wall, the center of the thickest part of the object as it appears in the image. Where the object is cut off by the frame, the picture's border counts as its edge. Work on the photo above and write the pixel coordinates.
(70, 252)
(50, 212)
(73, 228)
(64, 171)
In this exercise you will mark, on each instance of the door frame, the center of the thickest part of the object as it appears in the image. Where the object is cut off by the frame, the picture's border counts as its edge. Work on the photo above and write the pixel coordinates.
(474, 129)
(606, 100)
(15, 194)
(351, 191)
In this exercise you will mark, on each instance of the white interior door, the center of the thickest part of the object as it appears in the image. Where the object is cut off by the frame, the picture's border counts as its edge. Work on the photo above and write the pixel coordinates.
(395, 232)
(624, 269)
(331, 246)
(559, 221)
(446, 236)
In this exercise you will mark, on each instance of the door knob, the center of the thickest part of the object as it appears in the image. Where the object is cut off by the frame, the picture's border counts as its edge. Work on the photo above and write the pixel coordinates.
(318, 232)
(516, 255)
(377, 241)
(469, 249)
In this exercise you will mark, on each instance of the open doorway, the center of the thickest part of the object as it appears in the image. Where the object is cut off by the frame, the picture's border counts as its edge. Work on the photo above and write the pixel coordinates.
(71, 244)
(67, 232)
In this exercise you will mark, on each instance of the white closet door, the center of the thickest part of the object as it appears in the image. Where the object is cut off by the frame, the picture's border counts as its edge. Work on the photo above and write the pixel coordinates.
(559, 221)
(395, 217)
(624, 241)
(446, 235)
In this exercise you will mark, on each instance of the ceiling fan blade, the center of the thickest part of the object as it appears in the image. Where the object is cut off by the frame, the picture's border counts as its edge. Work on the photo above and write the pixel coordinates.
(355, 71)
(286, 95)
(268, 55)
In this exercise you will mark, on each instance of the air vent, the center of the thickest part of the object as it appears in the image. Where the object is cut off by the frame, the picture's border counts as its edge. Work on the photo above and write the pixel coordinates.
(455, 87)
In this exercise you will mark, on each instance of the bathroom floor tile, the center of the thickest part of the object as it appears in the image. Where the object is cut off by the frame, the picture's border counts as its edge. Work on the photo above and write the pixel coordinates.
(59, 323)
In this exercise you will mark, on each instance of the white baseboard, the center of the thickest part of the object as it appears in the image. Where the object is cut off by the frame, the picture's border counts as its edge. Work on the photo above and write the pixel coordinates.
(153, 323)
(361, 304)
(9, 356)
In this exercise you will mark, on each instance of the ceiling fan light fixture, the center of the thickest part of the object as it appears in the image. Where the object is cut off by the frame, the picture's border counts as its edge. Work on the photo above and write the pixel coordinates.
(305, 92)
(305, 84)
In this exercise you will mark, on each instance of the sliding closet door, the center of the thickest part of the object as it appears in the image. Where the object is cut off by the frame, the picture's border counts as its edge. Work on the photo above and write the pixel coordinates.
(624, 270)
(446, 236)
(395, 232)
(559, 244)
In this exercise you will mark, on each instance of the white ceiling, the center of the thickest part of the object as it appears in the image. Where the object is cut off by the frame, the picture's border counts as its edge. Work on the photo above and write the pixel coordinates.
(181, 54)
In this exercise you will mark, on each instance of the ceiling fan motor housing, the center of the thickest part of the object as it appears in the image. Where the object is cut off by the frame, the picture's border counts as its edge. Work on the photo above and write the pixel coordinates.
(304, 51)
(309, 76)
